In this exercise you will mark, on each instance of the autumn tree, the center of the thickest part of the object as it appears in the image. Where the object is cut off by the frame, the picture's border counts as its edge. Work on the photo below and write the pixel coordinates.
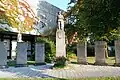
(12, 10)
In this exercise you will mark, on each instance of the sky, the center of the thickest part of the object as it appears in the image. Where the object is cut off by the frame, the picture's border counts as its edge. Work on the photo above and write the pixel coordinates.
(62, 4)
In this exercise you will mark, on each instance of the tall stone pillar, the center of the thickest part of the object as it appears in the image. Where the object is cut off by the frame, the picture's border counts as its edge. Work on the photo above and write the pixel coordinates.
(100, 49)
(117, 52)
(3, 55)
(21, 58)
(60, 43)
(82, 53)
(40, 53)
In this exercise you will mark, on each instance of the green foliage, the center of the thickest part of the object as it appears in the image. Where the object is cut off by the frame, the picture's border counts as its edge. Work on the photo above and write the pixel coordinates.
(71, 51)
(98, 19)
(50, 49)
(60, 62)
(12, 10)
(32, 57)
(3, 18)
(71, 55)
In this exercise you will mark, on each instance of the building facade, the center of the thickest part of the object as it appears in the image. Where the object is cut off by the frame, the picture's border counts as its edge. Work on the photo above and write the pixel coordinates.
(47, 20)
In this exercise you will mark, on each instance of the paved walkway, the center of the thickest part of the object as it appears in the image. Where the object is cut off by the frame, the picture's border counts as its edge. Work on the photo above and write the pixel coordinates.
(73, 71)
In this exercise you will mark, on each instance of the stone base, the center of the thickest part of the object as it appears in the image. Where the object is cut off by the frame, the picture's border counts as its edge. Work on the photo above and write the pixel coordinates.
(37, 64)
(21, 65)
(60, 44)
(117, 64)
(85, 63)
(100, 64)
(3, 66)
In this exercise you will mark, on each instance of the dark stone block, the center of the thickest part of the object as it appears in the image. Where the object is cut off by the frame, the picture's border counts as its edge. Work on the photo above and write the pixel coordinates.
(37, 64)
(21, 65)
(3, 66)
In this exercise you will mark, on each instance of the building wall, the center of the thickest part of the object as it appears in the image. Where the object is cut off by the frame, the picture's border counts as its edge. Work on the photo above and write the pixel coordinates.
(48, 15)
(46, 12)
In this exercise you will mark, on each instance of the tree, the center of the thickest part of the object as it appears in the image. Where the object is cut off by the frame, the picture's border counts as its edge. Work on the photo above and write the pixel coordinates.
(97, 19)
(17, 14)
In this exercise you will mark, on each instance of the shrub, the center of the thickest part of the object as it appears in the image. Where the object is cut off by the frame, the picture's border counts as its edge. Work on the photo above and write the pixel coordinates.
(71, 48)
(31, 57)
(50, 49)
(60, 61)
(71, 55)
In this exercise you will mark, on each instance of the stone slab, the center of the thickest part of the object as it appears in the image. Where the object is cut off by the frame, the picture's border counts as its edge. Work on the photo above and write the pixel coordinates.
(60, 44)
(21, 58)
(100, 47)
(117, 52)
(39, 53)
(82, 53)
(3, 55)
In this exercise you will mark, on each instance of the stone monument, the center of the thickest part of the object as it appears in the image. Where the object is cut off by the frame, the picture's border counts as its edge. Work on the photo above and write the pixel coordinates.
(21, 59)
(39, 53)
(82, 53)
(60, 21)
(117, 52)
(3, 55)
(60, 37)
(100, 50)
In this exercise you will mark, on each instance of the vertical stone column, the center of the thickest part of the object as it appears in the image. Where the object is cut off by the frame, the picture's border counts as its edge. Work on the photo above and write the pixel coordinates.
(60, 44)
(117, 52)
(39, 53)
(100, 49)
(82, 53)
(3, 55)
(21, 58)
(14, 48)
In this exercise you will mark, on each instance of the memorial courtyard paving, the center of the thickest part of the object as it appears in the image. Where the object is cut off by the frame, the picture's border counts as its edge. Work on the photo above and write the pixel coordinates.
(72, 71)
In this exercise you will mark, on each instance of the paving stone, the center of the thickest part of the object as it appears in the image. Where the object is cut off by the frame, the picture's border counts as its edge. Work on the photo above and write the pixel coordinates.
(75, 71)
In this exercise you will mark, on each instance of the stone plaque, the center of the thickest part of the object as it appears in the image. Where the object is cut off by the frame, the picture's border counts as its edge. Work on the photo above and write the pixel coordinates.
(82, 53)
(21, 58)
(117, 52)
(100, 49)
(3, 55)
(39, 53)
(60, 43)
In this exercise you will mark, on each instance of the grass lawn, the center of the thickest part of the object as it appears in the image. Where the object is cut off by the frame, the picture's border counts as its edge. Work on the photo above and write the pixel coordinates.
(109, 61)
(13, 63)
(100, 78)
(91, 60)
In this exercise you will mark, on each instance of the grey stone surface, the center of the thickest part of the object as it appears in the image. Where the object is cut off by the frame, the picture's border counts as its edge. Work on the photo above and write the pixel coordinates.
(72, 71)
(60, 43)
(21, 58)
(48, 13)
(100, 47)
(40, 53)
(82, 53)
(117, 52)
(3, 55)
(6, 43)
